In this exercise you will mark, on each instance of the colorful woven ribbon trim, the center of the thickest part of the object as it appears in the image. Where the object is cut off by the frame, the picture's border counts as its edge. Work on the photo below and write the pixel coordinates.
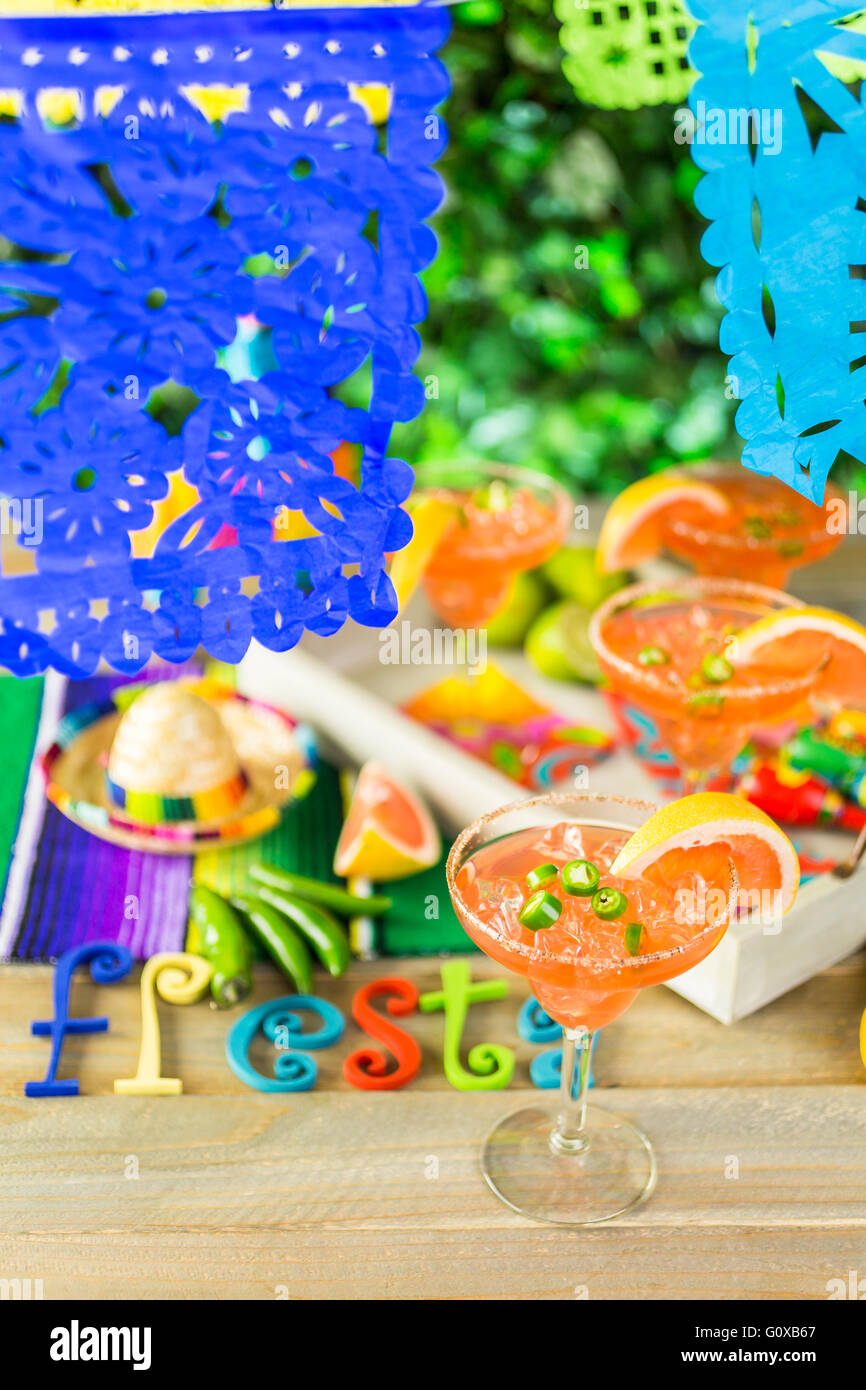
(151, 808)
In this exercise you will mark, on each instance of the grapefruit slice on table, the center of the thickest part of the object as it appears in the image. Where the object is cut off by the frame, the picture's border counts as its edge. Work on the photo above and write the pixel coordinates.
(794, 640)
(388, 833)
(632, 530)
(689, 834)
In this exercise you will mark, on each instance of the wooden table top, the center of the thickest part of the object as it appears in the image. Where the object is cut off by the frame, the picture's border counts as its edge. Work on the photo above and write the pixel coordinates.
(224, 1192)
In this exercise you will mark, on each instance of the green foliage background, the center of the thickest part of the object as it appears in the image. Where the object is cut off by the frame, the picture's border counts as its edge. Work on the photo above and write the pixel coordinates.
(597, 374)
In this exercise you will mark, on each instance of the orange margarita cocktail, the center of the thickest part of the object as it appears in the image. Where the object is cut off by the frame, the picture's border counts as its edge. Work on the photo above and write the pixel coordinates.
(593, 898)
(609, 936)
(497, 520)
(668, 651)
(768, 531)
(709, 662)
(723, 520)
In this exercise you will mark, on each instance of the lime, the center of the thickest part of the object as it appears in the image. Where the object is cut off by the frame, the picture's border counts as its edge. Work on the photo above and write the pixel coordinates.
(527, 596)
(558, 644)
(574, 574)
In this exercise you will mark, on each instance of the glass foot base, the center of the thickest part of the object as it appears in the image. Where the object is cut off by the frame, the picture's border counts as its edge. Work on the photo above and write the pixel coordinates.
(612, 1175)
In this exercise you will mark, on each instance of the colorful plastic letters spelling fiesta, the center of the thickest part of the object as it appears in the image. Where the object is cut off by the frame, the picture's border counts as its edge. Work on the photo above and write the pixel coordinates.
(179, 978)
(491, 1066)
(368, 1068)
(535, 1025)
(279, 1020)
(108, 963)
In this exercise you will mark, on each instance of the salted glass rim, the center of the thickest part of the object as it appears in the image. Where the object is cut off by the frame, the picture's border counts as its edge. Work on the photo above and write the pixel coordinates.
(693, 587)
(534, 952)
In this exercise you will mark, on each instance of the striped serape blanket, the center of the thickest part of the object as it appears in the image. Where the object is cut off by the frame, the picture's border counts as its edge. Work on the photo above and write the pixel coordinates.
(62, 886)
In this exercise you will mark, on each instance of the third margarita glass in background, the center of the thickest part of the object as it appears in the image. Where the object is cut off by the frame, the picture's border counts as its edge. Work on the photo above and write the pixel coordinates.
(491, 522)
(723, 520)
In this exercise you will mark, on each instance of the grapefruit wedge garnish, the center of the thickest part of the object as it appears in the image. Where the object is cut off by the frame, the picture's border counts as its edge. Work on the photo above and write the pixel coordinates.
(633, 527)
(388, 833)
(701, 832)
(431, 517)
(796, 640)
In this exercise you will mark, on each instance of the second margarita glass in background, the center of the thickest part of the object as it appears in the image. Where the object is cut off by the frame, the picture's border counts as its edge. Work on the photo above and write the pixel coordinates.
(502, 520)
(665, 651)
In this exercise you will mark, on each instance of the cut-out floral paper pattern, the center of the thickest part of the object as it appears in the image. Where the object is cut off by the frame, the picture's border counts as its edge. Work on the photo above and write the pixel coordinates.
(785, 191)
(622, 54)
(137, 231)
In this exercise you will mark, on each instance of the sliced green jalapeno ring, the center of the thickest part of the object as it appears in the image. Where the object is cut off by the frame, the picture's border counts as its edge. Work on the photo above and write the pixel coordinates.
(580, 878)
(633, 934)
(539, 911)
(653, 656)
(706, 702)
(789, 549)
(609, 903)
(542, 873)
(716, 669)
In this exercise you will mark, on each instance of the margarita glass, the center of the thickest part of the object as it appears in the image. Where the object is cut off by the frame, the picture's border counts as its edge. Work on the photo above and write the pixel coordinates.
(568, 1162)
(770, 530)
(506, 519)
(663, 651)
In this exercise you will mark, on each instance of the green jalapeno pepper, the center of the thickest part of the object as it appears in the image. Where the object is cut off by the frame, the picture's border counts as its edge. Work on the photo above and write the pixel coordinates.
(329, 895)
(319, 928)
(215, 932)
(283, 943)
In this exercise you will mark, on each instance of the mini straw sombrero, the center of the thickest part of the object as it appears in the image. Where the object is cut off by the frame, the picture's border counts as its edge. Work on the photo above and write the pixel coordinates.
(177, 766)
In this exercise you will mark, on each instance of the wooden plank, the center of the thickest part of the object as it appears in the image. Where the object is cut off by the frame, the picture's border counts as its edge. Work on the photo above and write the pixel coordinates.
(757, 1156)
(809, 1036)
(339, 1196)
(525, 1263)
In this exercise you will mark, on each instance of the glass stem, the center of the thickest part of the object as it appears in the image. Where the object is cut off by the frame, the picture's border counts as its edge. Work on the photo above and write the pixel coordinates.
(569, 1136)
